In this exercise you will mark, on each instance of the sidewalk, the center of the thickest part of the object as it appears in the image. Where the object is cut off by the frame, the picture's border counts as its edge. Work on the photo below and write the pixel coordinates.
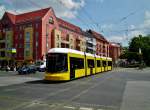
(7, 80)
(136, 96)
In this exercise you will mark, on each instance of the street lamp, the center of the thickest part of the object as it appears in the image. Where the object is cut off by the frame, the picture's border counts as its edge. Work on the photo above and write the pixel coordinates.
(140, 51)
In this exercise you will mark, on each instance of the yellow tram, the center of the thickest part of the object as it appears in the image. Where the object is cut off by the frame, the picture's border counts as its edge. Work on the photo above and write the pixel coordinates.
(63, 64)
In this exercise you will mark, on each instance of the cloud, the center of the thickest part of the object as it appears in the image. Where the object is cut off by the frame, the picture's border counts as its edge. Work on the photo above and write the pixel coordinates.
(71, 4)
(107, 26)
(146, 24)
(2, 10)
(126, 36)
(62, 8)
(116, 38)
(131, 31)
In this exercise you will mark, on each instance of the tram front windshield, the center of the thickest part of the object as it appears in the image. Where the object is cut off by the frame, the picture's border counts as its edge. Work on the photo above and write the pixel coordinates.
(56, 62)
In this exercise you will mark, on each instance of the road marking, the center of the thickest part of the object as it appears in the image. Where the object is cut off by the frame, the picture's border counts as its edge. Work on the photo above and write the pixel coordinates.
(69, 107)
(84, 108)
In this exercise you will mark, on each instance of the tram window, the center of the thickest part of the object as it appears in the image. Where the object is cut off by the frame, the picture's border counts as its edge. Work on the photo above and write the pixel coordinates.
(77, 63)
(98, 63)
(104, 63)
(56, 63)
(90, 63)
(109, 63)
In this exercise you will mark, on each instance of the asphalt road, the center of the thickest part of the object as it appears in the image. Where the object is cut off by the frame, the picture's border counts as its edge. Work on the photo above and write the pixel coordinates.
(120, 89)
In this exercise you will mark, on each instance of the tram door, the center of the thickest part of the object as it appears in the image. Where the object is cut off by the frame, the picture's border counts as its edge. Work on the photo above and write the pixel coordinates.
(72, 68)
(91, 70)
(90, 65)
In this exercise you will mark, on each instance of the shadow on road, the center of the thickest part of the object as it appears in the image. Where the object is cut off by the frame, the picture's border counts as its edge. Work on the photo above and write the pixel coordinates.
(46, 82)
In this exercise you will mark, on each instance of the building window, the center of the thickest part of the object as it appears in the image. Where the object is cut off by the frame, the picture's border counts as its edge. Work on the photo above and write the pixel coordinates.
(51, 21)
(16, 45)
(20, 36)
(2, 54)
(27, 53)
(20, 28)
(27, 36)
(16, 28)
(67, 45)
(57, 37)
(71, 41)
(29, 25)
(37, 44)
(36, 25)
(71, 47)
(67, 38)
(20, 45)
(36, 35)
(27, 46)
(58, 45)
(16, 36)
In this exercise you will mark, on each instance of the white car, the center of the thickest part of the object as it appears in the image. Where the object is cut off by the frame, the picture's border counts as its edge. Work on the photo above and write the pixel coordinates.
(41, 66)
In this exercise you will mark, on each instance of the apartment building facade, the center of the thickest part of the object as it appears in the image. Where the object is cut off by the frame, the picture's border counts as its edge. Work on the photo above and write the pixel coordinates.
(90, 43)
(32, 34)
(102, 45)
(68, 36)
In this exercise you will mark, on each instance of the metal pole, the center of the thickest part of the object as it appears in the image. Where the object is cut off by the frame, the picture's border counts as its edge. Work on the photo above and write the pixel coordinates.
(46, 37)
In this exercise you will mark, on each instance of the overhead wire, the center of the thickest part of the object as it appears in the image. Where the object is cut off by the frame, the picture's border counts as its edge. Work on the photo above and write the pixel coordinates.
(78, 18)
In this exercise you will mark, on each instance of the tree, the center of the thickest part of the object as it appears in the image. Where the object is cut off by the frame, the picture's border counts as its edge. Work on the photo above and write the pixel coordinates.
(142, 43)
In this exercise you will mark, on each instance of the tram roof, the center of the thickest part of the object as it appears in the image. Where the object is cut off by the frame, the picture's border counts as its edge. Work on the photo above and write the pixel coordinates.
(109, 58)
(67, 50)
(103, 57)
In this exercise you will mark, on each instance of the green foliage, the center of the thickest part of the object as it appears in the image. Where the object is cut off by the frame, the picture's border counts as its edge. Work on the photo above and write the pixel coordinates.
(135, 44)
(130, 56)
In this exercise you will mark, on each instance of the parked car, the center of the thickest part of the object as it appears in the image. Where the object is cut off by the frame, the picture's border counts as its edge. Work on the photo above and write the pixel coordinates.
(27, 69)
(41, 66)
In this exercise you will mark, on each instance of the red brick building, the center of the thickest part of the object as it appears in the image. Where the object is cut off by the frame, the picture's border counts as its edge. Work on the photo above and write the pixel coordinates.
(115, 51)
(32, 34)
(28, 33)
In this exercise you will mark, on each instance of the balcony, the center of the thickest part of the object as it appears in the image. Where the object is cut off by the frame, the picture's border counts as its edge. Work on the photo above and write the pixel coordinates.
(2, 41)
(2, 49)
(65, 42)
(89, 41)
(4, 58)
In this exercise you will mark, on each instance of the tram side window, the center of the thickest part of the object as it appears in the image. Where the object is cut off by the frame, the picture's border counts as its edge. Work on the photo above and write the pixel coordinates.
(90, 63)
(109, 63)
(104, 63)
(98, 63)
(77, 63)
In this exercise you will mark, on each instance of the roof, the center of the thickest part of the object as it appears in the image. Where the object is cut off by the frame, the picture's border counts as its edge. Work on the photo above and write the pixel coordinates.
(11, 16)
(68, 25)
(67, 50)
(115, 44)
(97, 35)
(108, 58)
(38, 14)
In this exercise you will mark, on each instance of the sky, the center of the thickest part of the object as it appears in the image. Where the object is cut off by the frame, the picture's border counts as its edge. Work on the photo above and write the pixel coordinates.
(117, 20)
